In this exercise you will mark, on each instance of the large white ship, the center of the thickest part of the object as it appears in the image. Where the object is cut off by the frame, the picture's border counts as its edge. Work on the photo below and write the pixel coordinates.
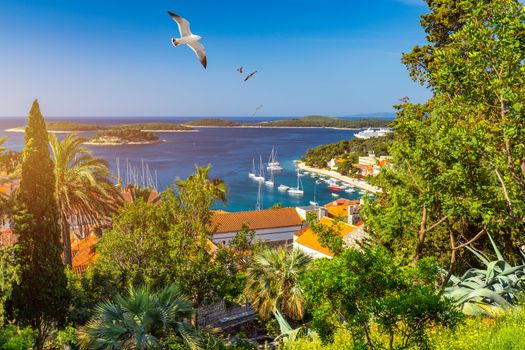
(369, 133)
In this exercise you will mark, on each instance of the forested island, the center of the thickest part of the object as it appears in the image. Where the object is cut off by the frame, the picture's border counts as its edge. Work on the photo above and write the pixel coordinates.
(123, 137)
(74, 127)
(303, 122)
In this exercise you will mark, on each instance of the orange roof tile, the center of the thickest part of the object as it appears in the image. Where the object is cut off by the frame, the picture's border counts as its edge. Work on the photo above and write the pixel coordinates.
(309, 238)
(343, 201)
(338, 211)
(8, 238)
(256, 219)
(84, 253)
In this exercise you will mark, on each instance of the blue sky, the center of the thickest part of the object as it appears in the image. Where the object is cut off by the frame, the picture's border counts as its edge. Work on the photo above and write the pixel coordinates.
(114, 58)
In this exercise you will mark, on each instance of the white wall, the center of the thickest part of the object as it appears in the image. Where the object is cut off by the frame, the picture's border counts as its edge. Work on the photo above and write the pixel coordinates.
(266, 235)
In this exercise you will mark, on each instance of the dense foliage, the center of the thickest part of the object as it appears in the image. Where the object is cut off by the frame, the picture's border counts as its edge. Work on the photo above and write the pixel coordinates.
(124, 135)
(41, 298)
(367, 291)
(459, 159)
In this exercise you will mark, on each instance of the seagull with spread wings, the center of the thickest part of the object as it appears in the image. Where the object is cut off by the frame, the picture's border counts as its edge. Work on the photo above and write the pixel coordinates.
(188, 38)
(251, 75)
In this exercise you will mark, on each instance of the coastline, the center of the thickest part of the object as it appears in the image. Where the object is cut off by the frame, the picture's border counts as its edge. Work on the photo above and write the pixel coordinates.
(354, 182)
(268, 127)
(79, 132)
(138, 143)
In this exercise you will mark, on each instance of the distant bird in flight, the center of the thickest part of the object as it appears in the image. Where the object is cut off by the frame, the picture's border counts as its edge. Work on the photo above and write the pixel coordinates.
(257, 110)
(250, 76)
(240, 70)
(188, 38)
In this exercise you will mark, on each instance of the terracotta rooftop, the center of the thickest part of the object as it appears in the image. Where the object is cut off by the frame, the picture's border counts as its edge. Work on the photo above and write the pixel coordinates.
(256, 219)
(84, 253)
(8, 238)
(342, 202)
(309, 239)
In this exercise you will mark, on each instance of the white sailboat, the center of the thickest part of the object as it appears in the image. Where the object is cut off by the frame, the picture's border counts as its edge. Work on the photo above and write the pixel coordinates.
(260, 177)
(273, 163)
(252, 173)
(314, 202)
(299, 189)
(270, 182)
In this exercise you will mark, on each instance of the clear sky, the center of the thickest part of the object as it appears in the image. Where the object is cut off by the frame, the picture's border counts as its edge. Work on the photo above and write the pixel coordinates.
(115, 58)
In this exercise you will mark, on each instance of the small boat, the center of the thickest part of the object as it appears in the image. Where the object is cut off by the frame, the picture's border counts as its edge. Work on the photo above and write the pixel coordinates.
(283, 187)
(260, 178)
(299, 189)
(318, 181)
(315, 204)
(349, 190)
(335, 195)
(252, 173)
(273, 163)
(335, 188)
(270, 182)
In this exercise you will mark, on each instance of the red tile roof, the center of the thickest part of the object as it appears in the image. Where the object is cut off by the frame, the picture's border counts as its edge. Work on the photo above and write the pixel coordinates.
(256, 219)
(343, 202)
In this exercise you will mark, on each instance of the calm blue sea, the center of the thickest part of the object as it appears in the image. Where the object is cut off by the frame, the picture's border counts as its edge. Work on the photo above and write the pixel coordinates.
(230, 151)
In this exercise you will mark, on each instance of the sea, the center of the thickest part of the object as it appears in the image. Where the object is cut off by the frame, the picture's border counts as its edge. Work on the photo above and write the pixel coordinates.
(230, 151)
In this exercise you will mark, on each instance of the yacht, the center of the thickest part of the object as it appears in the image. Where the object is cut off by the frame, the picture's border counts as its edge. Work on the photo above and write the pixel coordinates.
(299, 189)
(349, 190)
(270, 182)
(335, 195)
(370, 133)
(314, 202)
(252, 173)
(273, 163)
(260, 177)
(283, 187)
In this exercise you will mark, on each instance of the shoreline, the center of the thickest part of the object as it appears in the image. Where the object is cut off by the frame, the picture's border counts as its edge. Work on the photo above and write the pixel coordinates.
(80, 132)
(268, 127)
(354, 182)
(137, 143)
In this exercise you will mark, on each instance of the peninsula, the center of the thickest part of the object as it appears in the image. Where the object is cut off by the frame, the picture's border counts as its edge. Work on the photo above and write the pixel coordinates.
(303, 122)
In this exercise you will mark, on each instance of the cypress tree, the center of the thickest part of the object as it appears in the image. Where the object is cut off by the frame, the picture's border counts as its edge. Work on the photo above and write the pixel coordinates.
(41, 299)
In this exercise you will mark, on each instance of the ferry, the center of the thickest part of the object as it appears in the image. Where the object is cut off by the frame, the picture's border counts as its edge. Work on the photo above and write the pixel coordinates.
(370, 133)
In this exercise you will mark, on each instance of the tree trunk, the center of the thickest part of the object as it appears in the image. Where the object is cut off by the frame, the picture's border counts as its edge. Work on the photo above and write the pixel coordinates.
(421, 236)
(66, 241)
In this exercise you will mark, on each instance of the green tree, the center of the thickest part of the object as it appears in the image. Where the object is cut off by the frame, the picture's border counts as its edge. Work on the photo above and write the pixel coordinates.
(382, 304)
(85, 192)
(41, 298)
(458, 160)
(139, 321)
(272, 282)
(168, 241)
(9, 275)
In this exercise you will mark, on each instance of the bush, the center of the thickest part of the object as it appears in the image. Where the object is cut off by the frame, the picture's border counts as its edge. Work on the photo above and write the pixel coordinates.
(14, 338)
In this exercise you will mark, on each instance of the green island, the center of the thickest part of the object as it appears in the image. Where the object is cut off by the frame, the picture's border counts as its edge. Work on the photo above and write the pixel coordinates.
(303, 122)
(123, 137)
(74, 127)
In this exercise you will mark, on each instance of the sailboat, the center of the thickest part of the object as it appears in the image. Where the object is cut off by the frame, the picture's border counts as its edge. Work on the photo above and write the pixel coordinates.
(260, 178)
(273, 163)
(299, 188)
(252, 173)
(283, 187)
(270, 182)
(314, 202)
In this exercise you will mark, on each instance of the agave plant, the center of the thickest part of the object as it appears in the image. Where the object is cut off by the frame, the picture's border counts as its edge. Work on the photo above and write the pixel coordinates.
(487, 291)
(287, 332)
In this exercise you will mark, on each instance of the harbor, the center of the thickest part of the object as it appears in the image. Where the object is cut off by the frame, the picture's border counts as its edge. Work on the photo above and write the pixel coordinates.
(334, 174)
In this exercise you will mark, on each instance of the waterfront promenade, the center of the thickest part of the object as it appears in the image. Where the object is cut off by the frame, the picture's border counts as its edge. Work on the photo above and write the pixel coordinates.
(354, 182)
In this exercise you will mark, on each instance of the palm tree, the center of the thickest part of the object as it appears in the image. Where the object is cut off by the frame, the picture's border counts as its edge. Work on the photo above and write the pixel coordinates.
(139, 321)
(85, 191)
(272, 282)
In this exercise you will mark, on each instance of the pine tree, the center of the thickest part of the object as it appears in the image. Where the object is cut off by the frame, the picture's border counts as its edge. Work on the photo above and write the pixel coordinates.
(41, 299)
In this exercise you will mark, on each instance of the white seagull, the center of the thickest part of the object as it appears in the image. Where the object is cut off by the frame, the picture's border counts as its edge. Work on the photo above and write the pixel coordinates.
(188, 38)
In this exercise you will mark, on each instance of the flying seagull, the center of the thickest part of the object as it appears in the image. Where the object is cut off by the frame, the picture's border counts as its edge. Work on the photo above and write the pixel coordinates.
(188, 38)
(257, 110)
(250, 76)
(240, 70)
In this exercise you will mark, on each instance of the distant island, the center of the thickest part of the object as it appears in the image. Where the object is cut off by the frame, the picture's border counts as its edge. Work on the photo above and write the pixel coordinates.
(73, 127)
(303, 122)
(123, 137)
